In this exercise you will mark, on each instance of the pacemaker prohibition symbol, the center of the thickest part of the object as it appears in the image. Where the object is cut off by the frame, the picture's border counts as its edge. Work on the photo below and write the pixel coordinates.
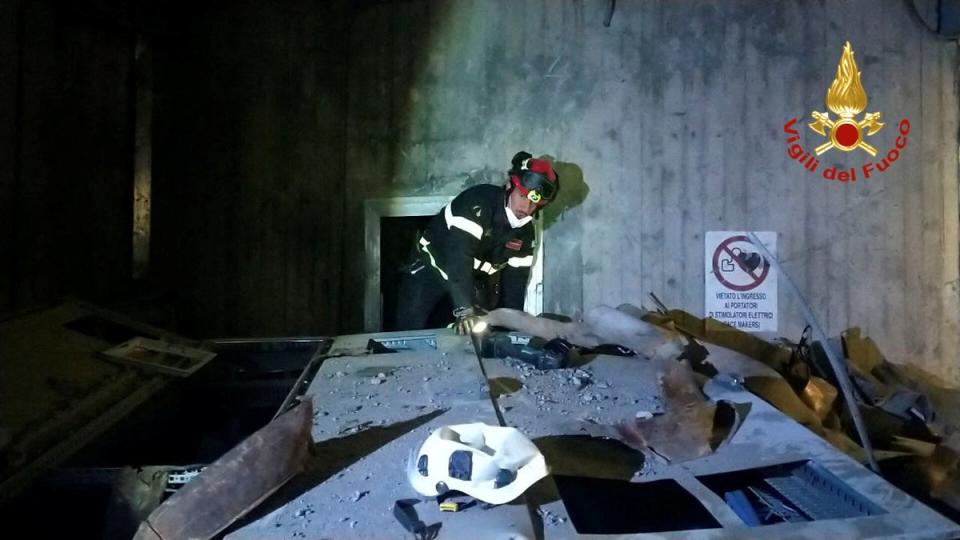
(754, 280)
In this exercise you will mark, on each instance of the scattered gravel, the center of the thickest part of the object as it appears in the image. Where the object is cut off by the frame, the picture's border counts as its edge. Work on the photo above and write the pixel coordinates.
(304, 512)
(549, 518)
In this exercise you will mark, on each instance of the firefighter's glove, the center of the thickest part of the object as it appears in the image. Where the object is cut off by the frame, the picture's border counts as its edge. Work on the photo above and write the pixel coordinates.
(467, 319)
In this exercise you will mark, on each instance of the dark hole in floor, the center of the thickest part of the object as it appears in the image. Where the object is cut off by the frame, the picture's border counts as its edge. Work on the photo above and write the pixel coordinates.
(102, 328)
(190, 422)
(581, 455)
(600, 506)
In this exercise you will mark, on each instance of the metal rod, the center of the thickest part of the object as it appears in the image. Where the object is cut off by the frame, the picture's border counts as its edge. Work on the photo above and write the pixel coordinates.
(846, 386)
(477, 341)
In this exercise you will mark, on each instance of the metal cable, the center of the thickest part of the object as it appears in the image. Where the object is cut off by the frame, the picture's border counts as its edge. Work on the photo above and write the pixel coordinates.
(846, 386)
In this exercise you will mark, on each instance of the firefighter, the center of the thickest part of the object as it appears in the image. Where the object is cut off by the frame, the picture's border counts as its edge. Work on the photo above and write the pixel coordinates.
(486, 230)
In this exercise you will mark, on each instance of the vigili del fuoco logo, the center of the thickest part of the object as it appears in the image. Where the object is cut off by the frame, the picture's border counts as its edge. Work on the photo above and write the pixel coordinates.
(846, 98)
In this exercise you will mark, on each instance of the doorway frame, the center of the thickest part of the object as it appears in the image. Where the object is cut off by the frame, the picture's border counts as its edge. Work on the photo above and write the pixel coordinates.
(377, 208)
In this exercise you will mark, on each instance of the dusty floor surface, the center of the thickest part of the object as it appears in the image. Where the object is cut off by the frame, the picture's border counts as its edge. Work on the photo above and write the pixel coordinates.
(373, 412)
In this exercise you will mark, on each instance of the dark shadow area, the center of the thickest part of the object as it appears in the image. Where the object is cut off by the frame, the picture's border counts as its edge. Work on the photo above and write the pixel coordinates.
(66, 126)
(398, 251)
(104, 329)
(192, 421)
(573, 191)
(581, 360)
(406, 513)
(601, 506)
(198, 419)
(249, 127)
(912, 475)
(398, 238)
(330, 457)
(79, 508)
(587, 355)
(390, 41)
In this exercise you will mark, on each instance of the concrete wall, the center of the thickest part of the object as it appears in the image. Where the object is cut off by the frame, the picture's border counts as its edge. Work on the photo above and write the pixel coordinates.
(673, 117)
(275, 122)
(248, 167)
(64, 152)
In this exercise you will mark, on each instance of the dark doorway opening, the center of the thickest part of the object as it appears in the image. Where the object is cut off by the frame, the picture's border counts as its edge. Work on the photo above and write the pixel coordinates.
(398, 241)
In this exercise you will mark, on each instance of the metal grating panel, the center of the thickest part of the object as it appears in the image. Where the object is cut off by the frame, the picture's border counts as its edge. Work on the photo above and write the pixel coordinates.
(410, 343)
(790, 492)
(821, 495)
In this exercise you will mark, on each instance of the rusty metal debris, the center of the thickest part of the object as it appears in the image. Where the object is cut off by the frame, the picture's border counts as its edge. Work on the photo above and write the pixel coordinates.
(690, 427)
(235, 483)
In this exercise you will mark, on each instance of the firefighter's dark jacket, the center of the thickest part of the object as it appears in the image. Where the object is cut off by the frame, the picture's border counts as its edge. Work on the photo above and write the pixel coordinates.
(473, 235)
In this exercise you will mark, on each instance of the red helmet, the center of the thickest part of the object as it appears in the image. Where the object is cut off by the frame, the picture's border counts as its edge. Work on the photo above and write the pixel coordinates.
(535, 178)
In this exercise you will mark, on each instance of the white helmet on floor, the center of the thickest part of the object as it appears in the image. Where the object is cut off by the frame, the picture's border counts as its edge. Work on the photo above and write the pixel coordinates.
(490, 463)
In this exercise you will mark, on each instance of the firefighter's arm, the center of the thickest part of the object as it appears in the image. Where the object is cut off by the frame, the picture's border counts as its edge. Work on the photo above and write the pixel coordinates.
(462, 241)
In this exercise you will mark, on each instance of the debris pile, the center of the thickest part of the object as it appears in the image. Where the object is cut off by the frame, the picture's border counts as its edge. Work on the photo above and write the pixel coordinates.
(916, 448)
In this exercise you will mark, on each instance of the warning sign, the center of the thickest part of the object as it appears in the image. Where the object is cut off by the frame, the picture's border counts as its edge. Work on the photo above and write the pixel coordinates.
(741, 285)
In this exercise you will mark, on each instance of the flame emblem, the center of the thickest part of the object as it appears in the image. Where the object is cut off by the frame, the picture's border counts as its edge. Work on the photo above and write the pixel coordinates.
(846, 98)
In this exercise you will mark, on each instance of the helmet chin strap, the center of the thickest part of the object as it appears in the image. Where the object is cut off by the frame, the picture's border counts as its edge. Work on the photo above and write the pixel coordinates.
(516, 222)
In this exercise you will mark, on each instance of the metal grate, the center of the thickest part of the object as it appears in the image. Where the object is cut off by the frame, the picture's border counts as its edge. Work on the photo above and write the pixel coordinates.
(821, 495)
(791, 492)
(410, 343)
